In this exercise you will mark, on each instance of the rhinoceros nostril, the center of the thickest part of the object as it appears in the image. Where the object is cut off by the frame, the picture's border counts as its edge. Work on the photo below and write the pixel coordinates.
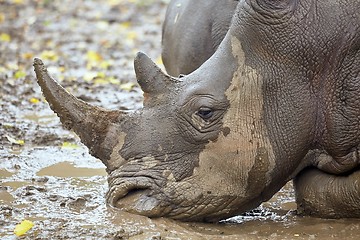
(134, 192)
(129, 195)
(138, 200)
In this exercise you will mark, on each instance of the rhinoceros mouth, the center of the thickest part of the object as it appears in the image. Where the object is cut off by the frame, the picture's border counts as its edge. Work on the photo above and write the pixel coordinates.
(136, 195)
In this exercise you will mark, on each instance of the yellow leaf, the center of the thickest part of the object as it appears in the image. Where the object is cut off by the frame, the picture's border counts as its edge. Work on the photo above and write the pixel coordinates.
(132, 35)
(125, 25)
(113, 80)
(93, 56)
(101, 78)
(106, 80)
(69, 145)
(61, 69)
(23, 227)
(100, 75)
(114, 2)
(106, 64)
(4, 37)
(2, 17)
(18, 1)
(101, 81)
(34, 100)
(19, 74)
(14, 141)
(127, 86)
(49, 55)
(27, 55)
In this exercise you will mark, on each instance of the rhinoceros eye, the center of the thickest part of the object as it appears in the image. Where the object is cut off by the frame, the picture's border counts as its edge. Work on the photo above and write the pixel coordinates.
(205, 113)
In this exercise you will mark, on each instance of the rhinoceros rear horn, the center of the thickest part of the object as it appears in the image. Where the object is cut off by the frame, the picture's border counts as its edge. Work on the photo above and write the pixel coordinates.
(90, 123)
(152, 80)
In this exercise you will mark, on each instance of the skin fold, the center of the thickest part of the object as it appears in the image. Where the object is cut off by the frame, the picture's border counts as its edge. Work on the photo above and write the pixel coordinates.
(279, 99)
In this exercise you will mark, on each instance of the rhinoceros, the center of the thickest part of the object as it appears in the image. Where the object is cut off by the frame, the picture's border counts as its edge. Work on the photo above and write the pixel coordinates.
(192, 31)
(278, 100)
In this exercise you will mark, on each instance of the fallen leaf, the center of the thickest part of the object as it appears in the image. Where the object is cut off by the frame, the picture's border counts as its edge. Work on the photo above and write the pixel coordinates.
(125, 25)
(27, 55)
(106, 64)
(23, 227)
(127, 86)
(18, 1)
(49, 55)
(14, 141)
(93, 59)
(106, 80)
(132, 35)
(93, 56)
(101, 81)
(4, 37)
(113, 80)
(19, 74)
(100, 75)
(69, 145)
(2, 17)
(34, 100)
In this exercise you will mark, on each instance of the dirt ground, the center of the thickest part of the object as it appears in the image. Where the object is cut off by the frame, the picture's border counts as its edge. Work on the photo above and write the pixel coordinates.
(48, 177)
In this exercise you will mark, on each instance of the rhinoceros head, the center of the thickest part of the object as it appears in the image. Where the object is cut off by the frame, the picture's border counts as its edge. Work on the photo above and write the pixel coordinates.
(190, 153)
(221, 140)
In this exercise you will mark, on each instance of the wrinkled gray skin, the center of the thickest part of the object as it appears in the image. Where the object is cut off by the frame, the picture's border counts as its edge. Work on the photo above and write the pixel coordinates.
(281, 93)
(192, 31)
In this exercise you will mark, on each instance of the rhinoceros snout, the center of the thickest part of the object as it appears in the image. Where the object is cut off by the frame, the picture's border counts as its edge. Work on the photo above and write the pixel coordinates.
(135, 197)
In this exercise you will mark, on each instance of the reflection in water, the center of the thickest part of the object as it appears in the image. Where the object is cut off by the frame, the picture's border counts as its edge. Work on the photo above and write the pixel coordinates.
(67, 169)
(41, 119)
(5, 174)
(5, 197)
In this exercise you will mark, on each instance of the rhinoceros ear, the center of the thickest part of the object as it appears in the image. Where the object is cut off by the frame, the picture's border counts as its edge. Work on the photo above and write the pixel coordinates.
(150, 77)
(152, 80)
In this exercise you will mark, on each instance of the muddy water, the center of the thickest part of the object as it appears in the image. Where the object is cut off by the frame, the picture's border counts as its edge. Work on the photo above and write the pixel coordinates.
(48, 177)
(61, 189)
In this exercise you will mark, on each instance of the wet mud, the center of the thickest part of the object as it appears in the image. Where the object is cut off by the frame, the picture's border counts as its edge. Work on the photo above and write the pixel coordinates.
(47, 175)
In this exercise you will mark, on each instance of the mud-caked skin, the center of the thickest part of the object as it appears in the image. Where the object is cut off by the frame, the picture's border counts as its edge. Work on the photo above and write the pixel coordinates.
(280, 95)
(192, 31)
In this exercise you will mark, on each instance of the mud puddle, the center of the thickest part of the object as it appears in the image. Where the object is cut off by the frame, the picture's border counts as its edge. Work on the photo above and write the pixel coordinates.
(62, 191)
(48, 177)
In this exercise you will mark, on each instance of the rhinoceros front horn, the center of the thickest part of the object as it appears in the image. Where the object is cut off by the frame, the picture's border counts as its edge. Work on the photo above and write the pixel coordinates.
(152, 80)
(90, 123)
